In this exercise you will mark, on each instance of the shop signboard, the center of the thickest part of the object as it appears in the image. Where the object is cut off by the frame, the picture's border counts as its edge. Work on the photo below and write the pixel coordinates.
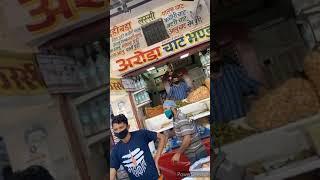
(116, 85)
(184, 27)
(19, 77)
(160, 51)
(35, 19)
(60, 73)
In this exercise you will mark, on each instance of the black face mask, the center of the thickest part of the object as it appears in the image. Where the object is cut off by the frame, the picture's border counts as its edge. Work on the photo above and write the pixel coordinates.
(122, 134)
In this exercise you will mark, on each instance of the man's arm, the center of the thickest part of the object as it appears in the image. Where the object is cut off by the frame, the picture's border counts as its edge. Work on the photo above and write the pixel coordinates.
(113, 174)
(185, 144)
(187, 128)
(114, 165)
(162, 142)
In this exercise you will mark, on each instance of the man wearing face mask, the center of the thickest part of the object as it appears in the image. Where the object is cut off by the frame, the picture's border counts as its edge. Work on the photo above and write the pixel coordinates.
(178, 89)
(133, 152)
(185, 130)
(231, 85)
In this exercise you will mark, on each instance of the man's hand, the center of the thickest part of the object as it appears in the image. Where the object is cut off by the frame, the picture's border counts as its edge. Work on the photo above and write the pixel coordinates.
(176, 157)
(113, 173)
(156, 160)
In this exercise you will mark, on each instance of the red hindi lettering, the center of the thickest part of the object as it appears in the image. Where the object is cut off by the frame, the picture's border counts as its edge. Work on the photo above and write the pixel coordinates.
(50, 13)
(122, 64)
(89, 3)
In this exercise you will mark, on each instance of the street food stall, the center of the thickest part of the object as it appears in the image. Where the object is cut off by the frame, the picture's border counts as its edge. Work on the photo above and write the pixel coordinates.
(146, 52)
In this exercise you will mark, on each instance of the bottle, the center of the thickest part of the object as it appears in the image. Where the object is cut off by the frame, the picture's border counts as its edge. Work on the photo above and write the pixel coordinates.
(202, 58)
(85, 120)
(94, 111)
(78, 54)
(208, 56)
(139, 83)
(103, 111)
(147, 95)
(144, 98)
(92, 68)
(83, 75)
(136, 98)
(136, 85)
(139, 98)
(101, 63)
(144, 84)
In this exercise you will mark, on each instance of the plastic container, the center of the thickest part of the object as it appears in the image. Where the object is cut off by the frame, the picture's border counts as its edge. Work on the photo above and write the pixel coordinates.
(180, 170)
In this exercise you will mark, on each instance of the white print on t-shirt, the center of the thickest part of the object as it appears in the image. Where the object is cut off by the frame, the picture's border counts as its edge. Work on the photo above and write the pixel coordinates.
(135, 162)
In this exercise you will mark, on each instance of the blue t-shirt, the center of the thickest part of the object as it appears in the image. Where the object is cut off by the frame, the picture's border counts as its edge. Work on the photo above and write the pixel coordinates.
(135, 156)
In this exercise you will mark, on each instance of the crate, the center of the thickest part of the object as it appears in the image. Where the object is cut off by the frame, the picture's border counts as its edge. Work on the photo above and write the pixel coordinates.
(155, 111)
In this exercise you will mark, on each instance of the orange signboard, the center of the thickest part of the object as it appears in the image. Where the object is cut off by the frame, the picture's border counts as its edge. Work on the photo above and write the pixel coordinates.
(19, 77)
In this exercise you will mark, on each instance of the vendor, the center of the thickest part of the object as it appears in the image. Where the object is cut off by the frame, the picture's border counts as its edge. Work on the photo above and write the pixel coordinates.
(178, 89)
(230, 85)
(185, 130)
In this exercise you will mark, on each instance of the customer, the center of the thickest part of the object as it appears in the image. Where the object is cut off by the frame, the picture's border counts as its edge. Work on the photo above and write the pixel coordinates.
(34, 173)
(185, 130)
(178, 89)
(230, 85)
(133, 152)
(7, 173)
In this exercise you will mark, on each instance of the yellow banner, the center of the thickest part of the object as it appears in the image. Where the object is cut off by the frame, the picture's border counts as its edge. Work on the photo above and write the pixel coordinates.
(116, 85)
(19, 77)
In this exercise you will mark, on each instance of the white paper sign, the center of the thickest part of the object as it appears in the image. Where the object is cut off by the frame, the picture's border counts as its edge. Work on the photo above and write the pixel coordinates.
(60, 73)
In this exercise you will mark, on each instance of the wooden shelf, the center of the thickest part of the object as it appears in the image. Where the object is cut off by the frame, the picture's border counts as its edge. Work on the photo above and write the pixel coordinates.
(144, 103)
(140, 90)
(291, 170)
(83, 98)
(98, 137)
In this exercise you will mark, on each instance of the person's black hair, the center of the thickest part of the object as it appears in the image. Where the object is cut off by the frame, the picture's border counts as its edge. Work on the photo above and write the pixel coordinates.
(119, 119)
(34, 173)
(7, 173)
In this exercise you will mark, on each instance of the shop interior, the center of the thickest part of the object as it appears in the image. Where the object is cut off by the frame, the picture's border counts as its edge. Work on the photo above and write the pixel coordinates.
(157, 84)
(88, 112)
(268, 39)
(152, 84)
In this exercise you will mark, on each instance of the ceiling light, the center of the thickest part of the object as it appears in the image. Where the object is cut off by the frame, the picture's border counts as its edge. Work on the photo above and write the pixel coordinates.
(184, 56)
(151, 69)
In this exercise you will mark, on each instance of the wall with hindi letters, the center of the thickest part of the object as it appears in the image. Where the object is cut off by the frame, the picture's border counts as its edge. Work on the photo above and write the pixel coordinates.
(18, 75)
(18, 116)
(186, 24)
(64, 16)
